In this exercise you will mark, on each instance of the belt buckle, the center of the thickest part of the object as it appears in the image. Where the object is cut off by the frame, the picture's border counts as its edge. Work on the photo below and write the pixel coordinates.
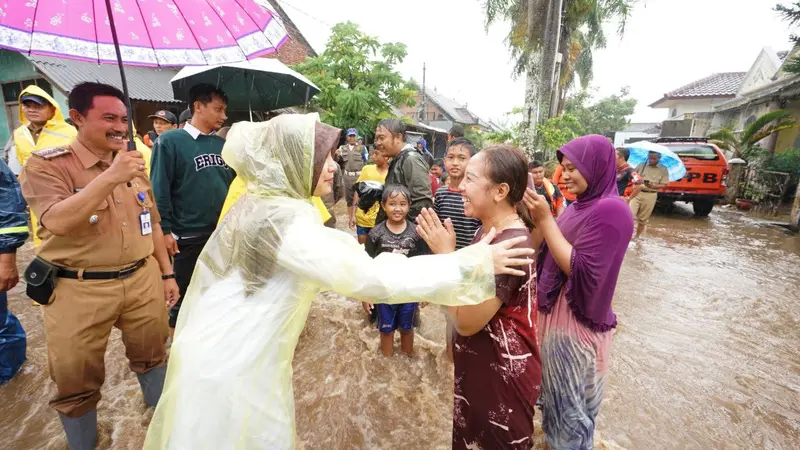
(125, 273)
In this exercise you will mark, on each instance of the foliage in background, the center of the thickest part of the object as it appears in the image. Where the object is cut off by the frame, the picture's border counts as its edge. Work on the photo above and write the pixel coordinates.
(581, 33)
(580, 118)
(556, 132)
(791, 14)
(745, 144)
(603, 116)
(358, 79)
(788, 161)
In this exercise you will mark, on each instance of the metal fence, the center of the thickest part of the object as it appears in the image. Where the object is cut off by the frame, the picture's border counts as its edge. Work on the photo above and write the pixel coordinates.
(766, 188)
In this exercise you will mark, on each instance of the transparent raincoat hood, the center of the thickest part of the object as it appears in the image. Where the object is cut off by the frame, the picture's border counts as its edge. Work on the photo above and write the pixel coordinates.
(229, 377)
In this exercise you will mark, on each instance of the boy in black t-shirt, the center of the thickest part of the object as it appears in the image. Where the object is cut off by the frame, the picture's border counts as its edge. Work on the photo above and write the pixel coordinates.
(395, 235)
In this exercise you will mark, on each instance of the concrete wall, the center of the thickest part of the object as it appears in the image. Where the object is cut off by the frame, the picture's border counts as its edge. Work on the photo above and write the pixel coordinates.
(788, 139)
(694, 106)
(15, 67)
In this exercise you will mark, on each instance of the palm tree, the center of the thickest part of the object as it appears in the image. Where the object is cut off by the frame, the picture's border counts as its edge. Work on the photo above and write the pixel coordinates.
(525, 40)
(580, 31)
(745, 144)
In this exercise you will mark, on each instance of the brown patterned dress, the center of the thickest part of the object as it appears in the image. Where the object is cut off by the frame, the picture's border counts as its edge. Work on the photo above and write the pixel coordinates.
(498, 370)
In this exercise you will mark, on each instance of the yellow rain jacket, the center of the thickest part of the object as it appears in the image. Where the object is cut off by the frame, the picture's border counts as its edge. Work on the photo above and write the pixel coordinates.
(56, 133)
(238, 188)
(229, 378)
(144, 150)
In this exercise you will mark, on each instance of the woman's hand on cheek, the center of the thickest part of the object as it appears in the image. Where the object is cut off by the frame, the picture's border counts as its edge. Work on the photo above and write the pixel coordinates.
(537, 205)
(440, 238)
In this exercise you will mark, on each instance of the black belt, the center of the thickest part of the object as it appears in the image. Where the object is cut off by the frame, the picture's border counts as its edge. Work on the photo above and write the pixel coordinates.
(117, 274)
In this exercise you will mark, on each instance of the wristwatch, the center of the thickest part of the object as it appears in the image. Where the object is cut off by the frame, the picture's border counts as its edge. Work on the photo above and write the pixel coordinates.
(168, 277)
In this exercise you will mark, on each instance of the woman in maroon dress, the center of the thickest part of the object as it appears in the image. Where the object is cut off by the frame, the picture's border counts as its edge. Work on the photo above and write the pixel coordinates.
(498, 369)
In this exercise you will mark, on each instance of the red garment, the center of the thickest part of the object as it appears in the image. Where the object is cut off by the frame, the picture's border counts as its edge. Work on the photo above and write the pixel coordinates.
(627, 177)
(434, 184)
(498, 371)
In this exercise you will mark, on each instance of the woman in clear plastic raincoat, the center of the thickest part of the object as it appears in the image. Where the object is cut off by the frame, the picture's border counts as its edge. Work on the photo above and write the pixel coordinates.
(229, 378)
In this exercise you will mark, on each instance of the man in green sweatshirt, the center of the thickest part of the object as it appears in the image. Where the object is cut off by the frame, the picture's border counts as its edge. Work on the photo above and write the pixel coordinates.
(190, 182)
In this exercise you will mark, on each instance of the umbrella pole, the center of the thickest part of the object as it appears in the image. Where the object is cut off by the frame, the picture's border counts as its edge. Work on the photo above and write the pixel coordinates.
(250, 97)
(131, 143)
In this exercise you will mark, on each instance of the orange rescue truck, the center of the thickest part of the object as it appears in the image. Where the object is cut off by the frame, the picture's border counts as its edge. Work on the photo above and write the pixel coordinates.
(706, 173)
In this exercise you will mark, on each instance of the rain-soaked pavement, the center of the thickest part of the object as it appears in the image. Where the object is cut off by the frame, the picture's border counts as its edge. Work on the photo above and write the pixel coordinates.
(705, 356)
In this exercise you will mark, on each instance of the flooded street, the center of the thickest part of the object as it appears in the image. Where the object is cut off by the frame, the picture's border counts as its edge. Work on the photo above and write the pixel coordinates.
(705, 356)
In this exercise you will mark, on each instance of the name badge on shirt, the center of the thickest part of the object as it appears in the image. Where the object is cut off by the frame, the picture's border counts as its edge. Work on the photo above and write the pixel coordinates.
(145, 225)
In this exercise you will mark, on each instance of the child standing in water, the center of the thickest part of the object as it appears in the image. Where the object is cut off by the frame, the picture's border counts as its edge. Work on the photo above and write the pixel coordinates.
(396, 235)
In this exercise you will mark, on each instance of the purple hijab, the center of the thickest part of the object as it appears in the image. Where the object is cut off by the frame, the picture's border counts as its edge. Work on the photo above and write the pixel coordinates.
(599, 226)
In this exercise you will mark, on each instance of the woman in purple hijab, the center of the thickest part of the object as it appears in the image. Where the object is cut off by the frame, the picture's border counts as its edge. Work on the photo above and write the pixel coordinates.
(577, 270)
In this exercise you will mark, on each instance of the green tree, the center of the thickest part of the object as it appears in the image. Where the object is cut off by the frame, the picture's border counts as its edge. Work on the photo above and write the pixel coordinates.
(603, 116)
(358, 79)
(556, 132)
(791, 14)
(532, 43)
(581, 33)
(745, 144)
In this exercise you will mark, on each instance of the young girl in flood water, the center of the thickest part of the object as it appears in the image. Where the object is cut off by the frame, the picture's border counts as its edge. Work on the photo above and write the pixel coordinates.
(497, 365)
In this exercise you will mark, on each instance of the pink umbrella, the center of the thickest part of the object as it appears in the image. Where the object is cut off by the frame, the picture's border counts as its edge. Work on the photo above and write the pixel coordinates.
(142, 32)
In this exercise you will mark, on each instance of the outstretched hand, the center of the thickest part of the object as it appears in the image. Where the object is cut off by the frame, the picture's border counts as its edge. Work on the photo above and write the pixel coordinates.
(505, 257)
(441, 238)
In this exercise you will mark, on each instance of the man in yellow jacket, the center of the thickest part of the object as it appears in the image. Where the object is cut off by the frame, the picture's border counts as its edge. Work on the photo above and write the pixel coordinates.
(43, 126)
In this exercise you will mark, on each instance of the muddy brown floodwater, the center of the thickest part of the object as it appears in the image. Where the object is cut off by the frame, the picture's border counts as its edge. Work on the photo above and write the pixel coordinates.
(705, 356)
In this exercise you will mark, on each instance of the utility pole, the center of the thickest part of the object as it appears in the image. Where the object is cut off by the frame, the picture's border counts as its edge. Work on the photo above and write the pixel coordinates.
(423, 108)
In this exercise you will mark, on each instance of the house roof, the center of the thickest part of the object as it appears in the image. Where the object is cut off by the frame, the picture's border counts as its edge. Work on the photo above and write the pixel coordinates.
(291, 28)
(642, 127)
(457, 112)
(724, 84)
(144, 83)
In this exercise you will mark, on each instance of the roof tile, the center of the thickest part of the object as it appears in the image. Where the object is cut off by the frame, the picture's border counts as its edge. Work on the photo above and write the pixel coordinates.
(716, 85)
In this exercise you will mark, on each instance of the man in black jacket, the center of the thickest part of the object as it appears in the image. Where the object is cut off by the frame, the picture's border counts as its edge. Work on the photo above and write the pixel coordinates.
(408, 167)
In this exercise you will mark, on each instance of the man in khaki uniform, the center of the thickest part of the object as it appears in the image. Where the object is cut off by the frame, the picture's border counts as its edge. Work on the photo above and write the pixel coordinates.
(655, 177)
(351, 158)
(98, 225)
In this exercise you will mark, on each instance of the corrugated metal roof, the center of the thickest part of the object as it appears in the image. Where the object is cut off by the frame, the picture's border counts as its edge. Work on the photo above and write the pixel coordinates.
(716, 85)
(144, 83)
(452, 108)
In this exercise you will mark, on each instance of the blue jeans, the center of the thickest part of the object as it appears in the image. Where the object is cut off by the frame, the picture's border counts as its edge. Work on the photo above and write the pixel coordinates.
(12, 342)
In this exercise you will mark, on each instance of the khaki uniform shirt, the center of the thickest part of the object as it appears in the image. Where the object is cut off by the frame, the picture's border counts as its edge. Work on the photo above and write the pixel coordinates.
(110, 241)
(351, 160)
(655, 175)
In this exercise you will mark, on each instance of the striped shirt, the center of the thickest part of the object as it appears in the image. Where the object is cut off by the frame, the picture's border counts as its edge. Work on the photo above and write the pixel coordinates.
(449, 204)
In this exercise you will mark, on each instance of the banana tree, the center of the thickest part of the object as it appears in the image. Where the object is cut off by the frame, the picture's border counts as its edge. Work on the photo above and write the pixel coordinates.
(745, 144)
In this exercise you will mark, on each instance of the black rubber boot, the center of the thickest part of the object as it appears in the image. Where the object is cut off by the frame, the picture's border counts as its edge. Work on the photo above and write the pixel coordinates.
(152, 383)
(81, 431)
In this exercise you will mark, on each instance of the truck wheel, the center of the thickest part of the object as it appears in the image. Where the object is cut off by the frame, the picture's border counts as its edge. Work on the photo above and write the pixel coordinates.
(702, 208)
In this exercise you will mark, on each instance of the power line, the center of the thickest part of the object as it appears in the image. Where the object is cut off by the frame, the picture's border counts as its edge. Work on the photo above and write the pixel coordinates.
(284, 3)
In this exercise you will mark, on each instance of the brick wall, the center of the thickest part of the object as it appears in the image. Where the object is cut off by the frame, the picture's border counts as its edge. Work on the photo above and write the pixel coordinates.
(297, 49)
(292, 52)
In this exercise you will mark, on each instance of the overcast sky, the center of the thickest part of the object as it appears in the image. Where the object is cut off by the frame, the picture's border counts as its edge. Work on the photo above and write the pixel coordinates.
(667, 43)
